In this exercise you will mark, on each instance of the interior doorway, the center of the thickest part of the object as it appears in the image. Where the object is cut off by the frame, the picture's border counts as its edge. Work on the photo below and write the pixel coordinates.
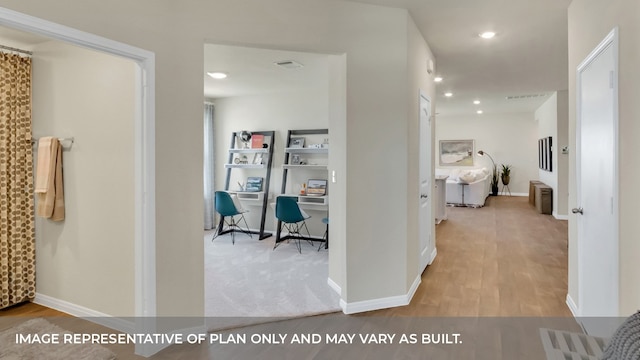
(268, 90)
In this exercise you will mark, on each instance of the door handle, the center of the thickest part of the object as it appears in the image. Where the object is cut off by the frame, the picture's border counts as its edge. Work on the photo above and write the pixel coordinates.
(423, 196)
(577, 211)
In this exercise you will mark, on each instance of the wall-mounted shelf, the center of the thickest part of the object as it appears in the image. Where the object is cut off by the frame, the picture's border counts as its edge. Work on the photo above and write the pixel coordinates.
(245, 166)
(256, 196)
(306, 150)
(249, 151)
(308, 167)
(264, 158)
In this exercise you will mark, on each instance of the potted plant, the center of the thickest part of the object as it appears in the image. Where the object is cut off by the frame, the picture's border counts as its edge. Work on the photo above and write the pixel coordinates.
(506, 172)
(494, 181)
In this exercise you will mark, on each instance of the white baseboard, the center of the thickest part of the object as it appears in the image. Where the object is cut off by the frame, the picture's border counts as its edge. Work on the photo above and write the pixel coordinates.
(434, 253)
(560, 217)
(334, 286)
(514, 194)
(97, 317)
(383, 303)
(572, 306)
(128, 327)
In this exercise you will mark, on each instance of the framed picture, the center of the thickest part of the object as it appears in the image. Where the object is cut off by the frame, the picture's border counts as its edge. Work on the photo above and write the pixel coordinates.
(258, 159)
(296, 142)
(456, 152)
(295, 159)
(316, 187)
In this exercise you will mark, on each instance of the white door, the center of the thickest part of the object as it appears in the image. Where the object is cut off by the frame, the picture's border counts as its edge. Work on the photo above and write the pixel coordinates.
(427, 247)
(596, 158)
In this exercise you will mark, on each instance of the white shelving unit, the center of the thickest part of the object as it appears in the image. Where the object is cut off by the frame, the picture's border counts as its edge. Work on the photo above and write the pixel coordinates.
(257, 198)
(313, 165)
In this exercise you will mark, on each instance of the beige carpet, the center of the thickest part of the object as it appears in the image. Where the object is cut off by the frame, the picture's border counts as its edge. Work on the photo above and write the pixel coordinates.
(250, 280)
(10, 350)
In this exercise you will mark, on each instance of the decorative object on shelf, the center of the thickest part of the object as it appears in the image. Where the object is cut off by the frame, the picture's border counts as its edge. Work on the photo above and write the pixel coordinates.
(296, 142)
(245, 137)
(317, 187)
(254, 184)
(506, 174)
(240, 186)
(295, 159)
(258, 159)
(257, 141)
(303, 189)
(325, 143)
(494, 175)
(456, 152)
(242, 159)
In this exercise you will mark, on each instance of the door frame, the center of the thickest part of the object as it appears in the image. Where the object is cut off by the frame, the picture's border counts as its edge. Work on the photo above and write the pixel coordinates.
(144, 159)
(429, 253)
(610, 40)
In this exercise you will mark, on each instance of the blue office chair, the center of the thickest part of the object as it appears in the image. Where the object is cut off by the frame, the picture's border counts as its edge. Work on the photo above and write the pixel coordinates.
(292, 218)
(228, 212)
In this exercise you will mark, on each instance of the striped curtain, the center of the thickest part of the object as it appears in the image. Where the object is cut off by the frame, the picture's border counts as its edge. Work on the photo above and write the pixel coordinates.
(17, 234)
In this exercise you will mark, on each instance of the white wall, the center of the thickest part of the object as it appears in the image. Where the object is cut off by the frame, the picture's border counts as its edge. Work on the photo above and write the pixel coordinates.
(552, 121)
(547, 118)
(509, 139)
(589, 22)
(374, 41)
(280, 112)
(87, 259)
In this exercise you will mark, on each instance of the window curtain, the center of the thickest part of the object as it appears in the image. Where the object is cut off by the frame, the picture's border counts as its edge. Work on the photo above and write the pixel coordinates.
(209, 213)
(17, 233)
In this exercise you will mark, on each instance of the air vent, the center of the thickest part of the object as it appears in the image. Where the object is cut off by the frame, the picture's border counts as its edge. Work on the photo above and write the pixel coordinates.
(289, 64)
(525, 97)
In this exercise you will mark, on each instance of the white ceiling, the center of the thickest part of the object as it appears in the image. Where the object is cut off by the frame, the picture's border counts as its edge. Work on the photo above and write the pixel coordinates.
(529, 54)
(252, 71)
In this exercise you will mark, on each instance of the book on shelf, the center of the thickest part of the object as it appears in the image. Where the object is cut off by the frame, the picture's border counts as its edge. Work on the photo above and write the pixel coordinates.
(257, 141)
(254, 184)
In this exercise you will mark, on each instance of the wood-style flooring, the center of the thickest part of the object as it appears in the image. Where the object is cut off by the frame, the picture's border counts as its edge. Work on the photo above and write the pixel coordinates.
(503, 260)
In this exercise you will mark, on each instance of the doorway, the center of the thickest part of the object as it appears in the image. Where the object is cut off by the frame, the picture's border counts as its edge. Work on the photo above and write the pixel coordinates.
(597, 189)
(261, 95)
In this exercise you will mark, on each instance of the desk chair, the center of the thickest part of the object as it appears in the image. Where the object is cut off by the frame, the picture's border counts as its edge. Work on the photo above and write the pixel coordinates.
(227, 209)
(326, 234)
(293, 219)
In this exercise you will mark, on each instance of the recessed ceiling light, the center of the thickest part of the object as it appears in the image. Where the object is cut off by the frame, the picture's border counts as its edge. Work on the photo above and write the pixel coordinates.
(217, 75)
(479, 112)
(487, 34)
(437, 79)
(448, 94)
(477, 102)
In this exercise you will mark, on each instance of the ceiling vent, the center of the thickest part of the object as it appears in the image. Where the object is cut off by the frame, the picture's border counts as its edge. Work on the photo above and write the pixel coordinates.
(525, 97)
(289, 64)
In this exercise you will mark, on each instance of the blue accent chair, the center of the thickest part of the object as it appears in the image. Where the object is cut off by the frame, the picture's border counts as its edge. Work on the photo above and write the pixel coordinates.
(228, 212)
(293, 219)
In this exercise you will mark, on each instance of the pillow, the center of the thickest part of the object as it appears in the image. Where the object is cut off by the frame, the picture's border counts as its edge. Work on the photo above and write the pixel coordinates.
(468, 176)
(625, 342)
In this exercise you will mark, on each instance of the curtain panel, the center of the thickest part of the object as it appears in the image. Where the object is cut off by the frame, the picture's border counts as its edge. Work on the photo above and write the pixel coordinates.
(17, 233)
(209, 213)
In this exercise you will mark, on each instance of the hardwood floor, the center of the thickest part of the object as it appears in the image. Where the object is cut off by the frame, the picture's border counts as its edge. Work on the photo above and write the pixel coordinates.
(504, 260)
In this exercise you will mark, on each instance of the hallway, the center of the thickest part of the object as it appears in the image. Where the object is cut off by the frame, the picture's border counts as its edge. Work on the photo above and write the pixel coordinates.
(504, 259)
